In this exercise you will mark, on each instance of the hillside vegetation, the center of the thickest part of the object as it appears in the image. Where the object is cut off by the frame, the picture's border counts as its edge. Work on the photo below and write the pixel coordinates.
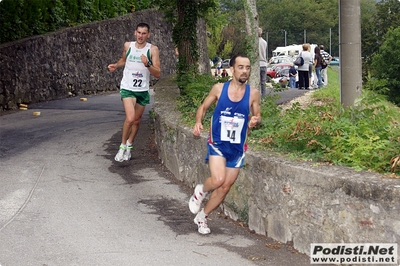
(365, 137)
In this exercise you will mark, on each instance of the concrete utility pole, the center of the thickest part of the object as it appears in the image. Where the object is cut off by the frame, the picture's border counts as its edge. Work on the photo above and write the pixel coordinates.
(350, 51)
(266, 38)
(285, 38)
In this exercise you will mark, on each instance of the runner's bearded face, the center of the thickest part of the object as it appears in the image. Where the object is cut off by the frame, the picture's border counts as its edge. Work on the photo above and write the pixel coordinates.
(241, 69)
(243, 79)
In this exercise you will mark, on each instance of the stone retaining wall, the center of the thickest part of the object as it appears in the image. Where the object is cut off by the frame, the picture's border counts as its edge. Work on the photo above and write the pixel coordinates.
(289, 201)
(74, 61)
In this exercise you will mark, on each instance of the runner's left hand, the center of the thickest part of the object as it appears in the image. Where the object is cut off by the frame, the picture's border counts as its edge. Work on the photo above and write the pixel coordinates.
(253, 121)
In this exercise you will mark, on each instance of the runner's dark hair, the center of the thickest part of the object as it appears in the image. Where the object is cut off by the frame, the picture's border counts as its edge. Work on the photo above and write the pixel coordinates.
(143, 25)
(233, 59)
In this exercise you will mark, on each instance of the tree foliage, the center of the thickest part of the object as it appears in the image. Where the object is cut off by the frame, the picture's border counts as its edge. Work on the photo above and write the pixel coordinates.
(25, 18)
(313, 21)
(377, 18)
(386, 65)
(368, 37)
(304, 21)
(380, 50)
(216, 26)
(226, 26)
(184, 15)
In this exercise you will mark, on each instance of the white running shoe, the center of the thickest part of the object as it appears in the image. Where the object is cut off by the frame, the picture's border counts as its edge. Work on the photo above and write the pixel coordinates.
(202, 224)
(120, 155)
(196, 199)
(127, 153)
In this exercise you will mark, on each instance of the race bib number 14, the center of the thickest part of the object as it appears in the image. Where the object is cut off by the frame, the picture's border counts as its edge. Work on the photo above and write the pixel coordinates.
(231, 127)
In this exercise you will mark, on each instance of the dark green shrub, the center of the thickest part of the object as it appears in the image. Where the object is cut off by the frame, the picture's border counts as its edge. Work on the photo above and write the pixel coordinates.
(386, 66)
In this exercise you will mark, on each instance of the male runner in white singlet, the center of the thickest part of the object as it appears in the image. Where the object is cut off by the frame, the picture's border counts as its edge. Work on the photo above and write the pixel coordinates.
(140, 59)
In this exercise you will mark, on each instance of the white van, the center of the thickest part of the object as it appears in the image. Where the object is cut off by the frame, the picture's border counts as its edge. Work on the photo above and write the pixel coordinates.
(290, 50)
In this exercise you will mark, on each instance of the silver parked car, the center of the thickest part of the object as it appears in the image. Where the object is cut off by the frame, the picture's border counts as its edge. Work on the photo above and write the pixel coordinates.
(334, 61)
(225, 63)
(280, 59)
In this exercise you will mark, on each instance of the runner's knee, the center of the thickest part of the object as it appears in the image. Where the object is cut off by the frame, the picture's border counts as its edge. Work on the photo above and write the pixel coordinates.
(223, 190)
(217, 181)
(130, 120)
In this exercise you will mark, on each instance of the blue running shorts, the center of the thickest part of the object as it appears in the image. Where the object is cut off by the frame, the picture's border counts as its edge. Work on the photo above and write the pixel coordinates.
(234, 158)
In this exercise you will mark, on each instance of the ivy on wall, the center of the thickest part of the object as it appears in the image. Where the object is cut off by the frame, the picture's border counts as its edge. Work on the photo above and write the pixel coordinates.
(184, 15)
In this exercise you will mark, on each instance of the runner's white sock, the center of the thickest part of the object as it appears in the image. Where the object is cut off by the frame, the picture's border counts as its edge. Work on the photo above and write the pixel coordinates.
(203, 214)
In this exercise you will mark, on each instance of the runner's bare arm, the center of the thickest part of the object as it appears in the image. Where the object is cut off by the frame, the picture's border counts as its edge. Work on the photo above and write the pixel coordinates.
(121, 62)
(155, 68)
(155, 58)
(211, 98)
(255, 108)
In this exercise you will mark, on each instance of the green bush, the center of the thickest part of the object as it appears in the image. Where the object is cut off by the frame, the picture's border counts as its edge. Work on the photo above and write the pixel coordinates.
(23, 18)
(386, 66)
(194, 89)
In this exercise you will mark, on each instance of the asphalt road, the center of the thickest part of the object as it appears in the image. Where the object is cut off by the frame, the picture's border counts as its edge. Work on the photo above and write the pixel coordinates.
(65, 201)
(287, 95)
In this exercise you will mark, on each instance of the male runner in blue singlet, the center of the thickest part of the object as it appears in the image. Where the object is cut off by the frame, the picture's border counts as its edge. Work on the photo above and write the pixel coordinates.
(140, 59)
(237, 110)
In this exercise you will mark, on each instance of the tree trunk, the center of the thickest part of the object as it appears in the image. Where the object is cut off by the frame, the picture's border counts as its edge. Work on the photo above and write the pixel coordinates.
(252, 41)
(187, 47)
(204, 61)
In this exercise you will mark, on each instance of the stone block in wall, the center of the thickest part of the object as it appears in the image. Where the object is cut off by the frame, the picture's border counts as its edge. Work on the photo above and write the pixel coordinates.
(278, 226)
(257, 222)
(230, 212)
(179, 150)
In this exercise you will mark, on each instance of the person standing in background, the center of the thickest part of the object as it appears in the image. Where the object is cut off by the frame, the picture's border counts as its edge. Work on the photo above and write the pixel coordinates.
(139, 59)
(224, 73)
(304, 79)
(292, 76)
(219, 65)
(262, 49)
(318, 66)
(311, 75)
(328, 58)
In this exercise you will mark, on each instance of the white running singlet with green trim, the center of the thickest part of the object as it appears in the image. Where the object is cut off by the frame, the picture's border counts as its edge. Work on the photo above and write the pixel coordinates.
(136, 75)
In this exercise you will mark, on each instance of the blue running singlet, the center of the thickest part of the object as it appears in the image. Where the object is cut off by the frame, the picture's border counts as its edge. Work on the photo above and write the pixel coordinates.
(229, 124)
